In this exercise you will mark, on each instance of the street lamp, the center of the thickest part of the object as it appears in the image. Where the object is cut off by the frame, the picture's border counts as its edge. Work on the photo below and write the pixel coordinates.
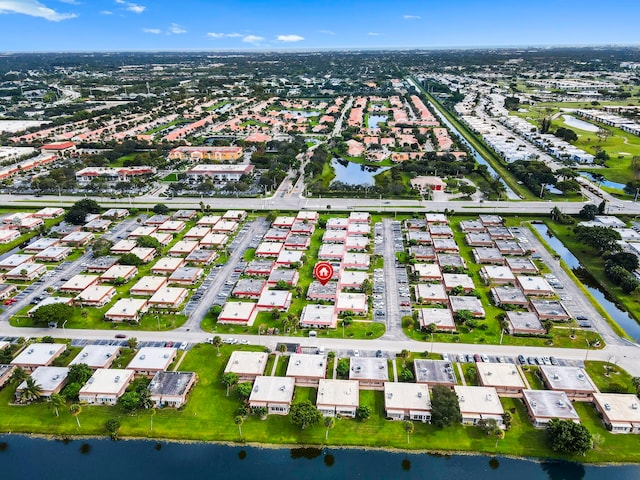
(588, 345)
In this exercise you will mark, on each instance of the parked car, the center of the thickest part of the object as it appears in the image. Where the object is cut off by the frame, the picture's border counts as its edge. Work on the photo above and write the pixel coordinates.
(120, 335)
(522, 360)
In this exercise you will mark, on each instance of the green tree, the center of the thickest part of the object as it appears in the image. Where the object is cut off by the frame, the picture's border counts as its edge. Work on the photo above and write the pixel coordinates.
(404, 355)
(19, 375)
(602, 239)
(217, 342)
(363, 412)
(101, 247)
(71, 391)
(244, 390)
(161, 209)
(53, 313)
(588, 212)
(132, 343)
(329, 423)
(239, 420)
(342, 369)
(145, 399)
(130, 259)
(146, 241)
(304, 414)
(75, 410)
(445, 407)
(79, 373)
(568, 437)
(112, 426)
(31, 391)
(626, 260)
(409, 427)
(130, 401)
(230, 379)
(406, 375)
(57, 402)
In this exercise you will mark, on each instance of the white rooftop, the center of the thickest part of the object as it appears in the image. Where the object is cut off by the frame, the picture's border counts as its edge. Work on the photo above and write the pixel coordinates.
(306, 365)
(152, 358)
(107, 381)
(338, 392)
(37, 354)
(96, 356)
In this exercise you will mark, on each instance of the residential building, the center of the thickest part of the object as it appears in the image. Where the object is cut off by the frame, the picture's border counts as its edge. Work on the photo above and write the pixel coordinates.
(106, 386)
(338, 397)
(407, 401)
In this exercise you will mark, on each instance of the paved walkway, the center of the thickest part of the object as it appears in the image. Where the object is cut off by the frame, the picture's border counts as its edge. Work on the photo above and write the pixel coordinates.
(462, 379)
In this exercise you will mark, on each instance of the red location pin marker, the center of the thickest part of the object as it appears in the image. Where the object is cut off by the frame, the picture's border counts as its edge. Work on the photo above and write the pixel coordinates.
(323, 271)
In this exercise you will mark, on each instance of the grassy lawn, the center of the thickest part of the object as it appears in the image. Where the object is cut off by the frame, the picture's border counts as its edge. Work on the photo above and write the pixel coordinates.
(209, 414)
(609, 378)
(531, 372)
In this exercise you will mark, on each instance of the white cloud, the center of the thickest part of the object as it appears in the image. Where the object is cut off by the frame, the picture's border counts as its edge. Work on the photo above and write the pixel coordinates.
(224, 35)
(132, 7)
(71, 2)
(374, 34)
(106, 12)
(327, 32)
(33, 8)
(155, 31)
(252, 39)
(177, 29)
(290, 38)
(411, 17)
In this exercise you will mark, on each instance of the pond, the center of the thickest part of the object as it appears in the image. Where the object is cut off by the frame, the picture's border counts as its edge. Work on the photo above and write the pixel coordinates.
(301, 113)
(375, 120)
(604, 183)
(351, 173)
(621, 317)
(581, 124)
(38, 458)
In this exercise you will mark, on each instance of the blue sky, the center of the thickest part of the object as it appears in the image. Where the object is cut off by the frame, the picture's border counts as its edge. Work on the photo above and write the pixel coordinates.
(84, 25)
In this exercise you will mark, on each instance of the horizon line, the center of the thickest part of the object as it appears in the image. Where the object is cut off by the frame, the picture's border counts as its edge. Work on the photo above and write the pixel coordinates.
(334, 49)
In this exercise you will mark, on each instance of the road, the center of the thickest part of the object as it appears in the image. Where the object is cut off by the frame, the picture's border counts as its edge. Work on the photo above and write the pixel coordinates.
(300, 202)
(392, 317)
(222, 274)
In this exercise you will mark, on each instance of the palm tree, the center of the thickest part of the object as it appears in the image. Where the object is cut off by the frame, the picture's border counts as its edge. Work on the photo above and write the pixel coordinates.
(217, 342)
(239, 420)
(19, 375)
(32, 391)
(329, 423)
(230, 379)
(57, 401)
(75, 410)
(145, 399)
(409, 427)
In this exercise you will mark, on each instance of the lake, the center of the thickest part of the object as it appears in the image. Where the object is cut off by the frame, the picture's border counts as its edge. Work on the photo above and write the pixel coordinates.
(354, 173)
(38, 458)
(375, 120)
(604, 183)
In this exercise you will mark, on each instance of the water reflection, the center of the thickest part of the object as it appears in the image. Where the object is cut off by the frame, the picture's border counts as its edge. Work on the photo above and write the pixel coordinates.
(563, 470)
(305, 452)
(329, 460)
(494, 463)
(85, 448)
(354, 173)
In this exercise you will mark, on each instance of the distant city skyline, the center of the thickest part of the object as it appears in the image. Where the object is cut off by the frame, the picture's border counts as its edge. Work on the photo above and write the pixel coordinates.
(111, 25)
